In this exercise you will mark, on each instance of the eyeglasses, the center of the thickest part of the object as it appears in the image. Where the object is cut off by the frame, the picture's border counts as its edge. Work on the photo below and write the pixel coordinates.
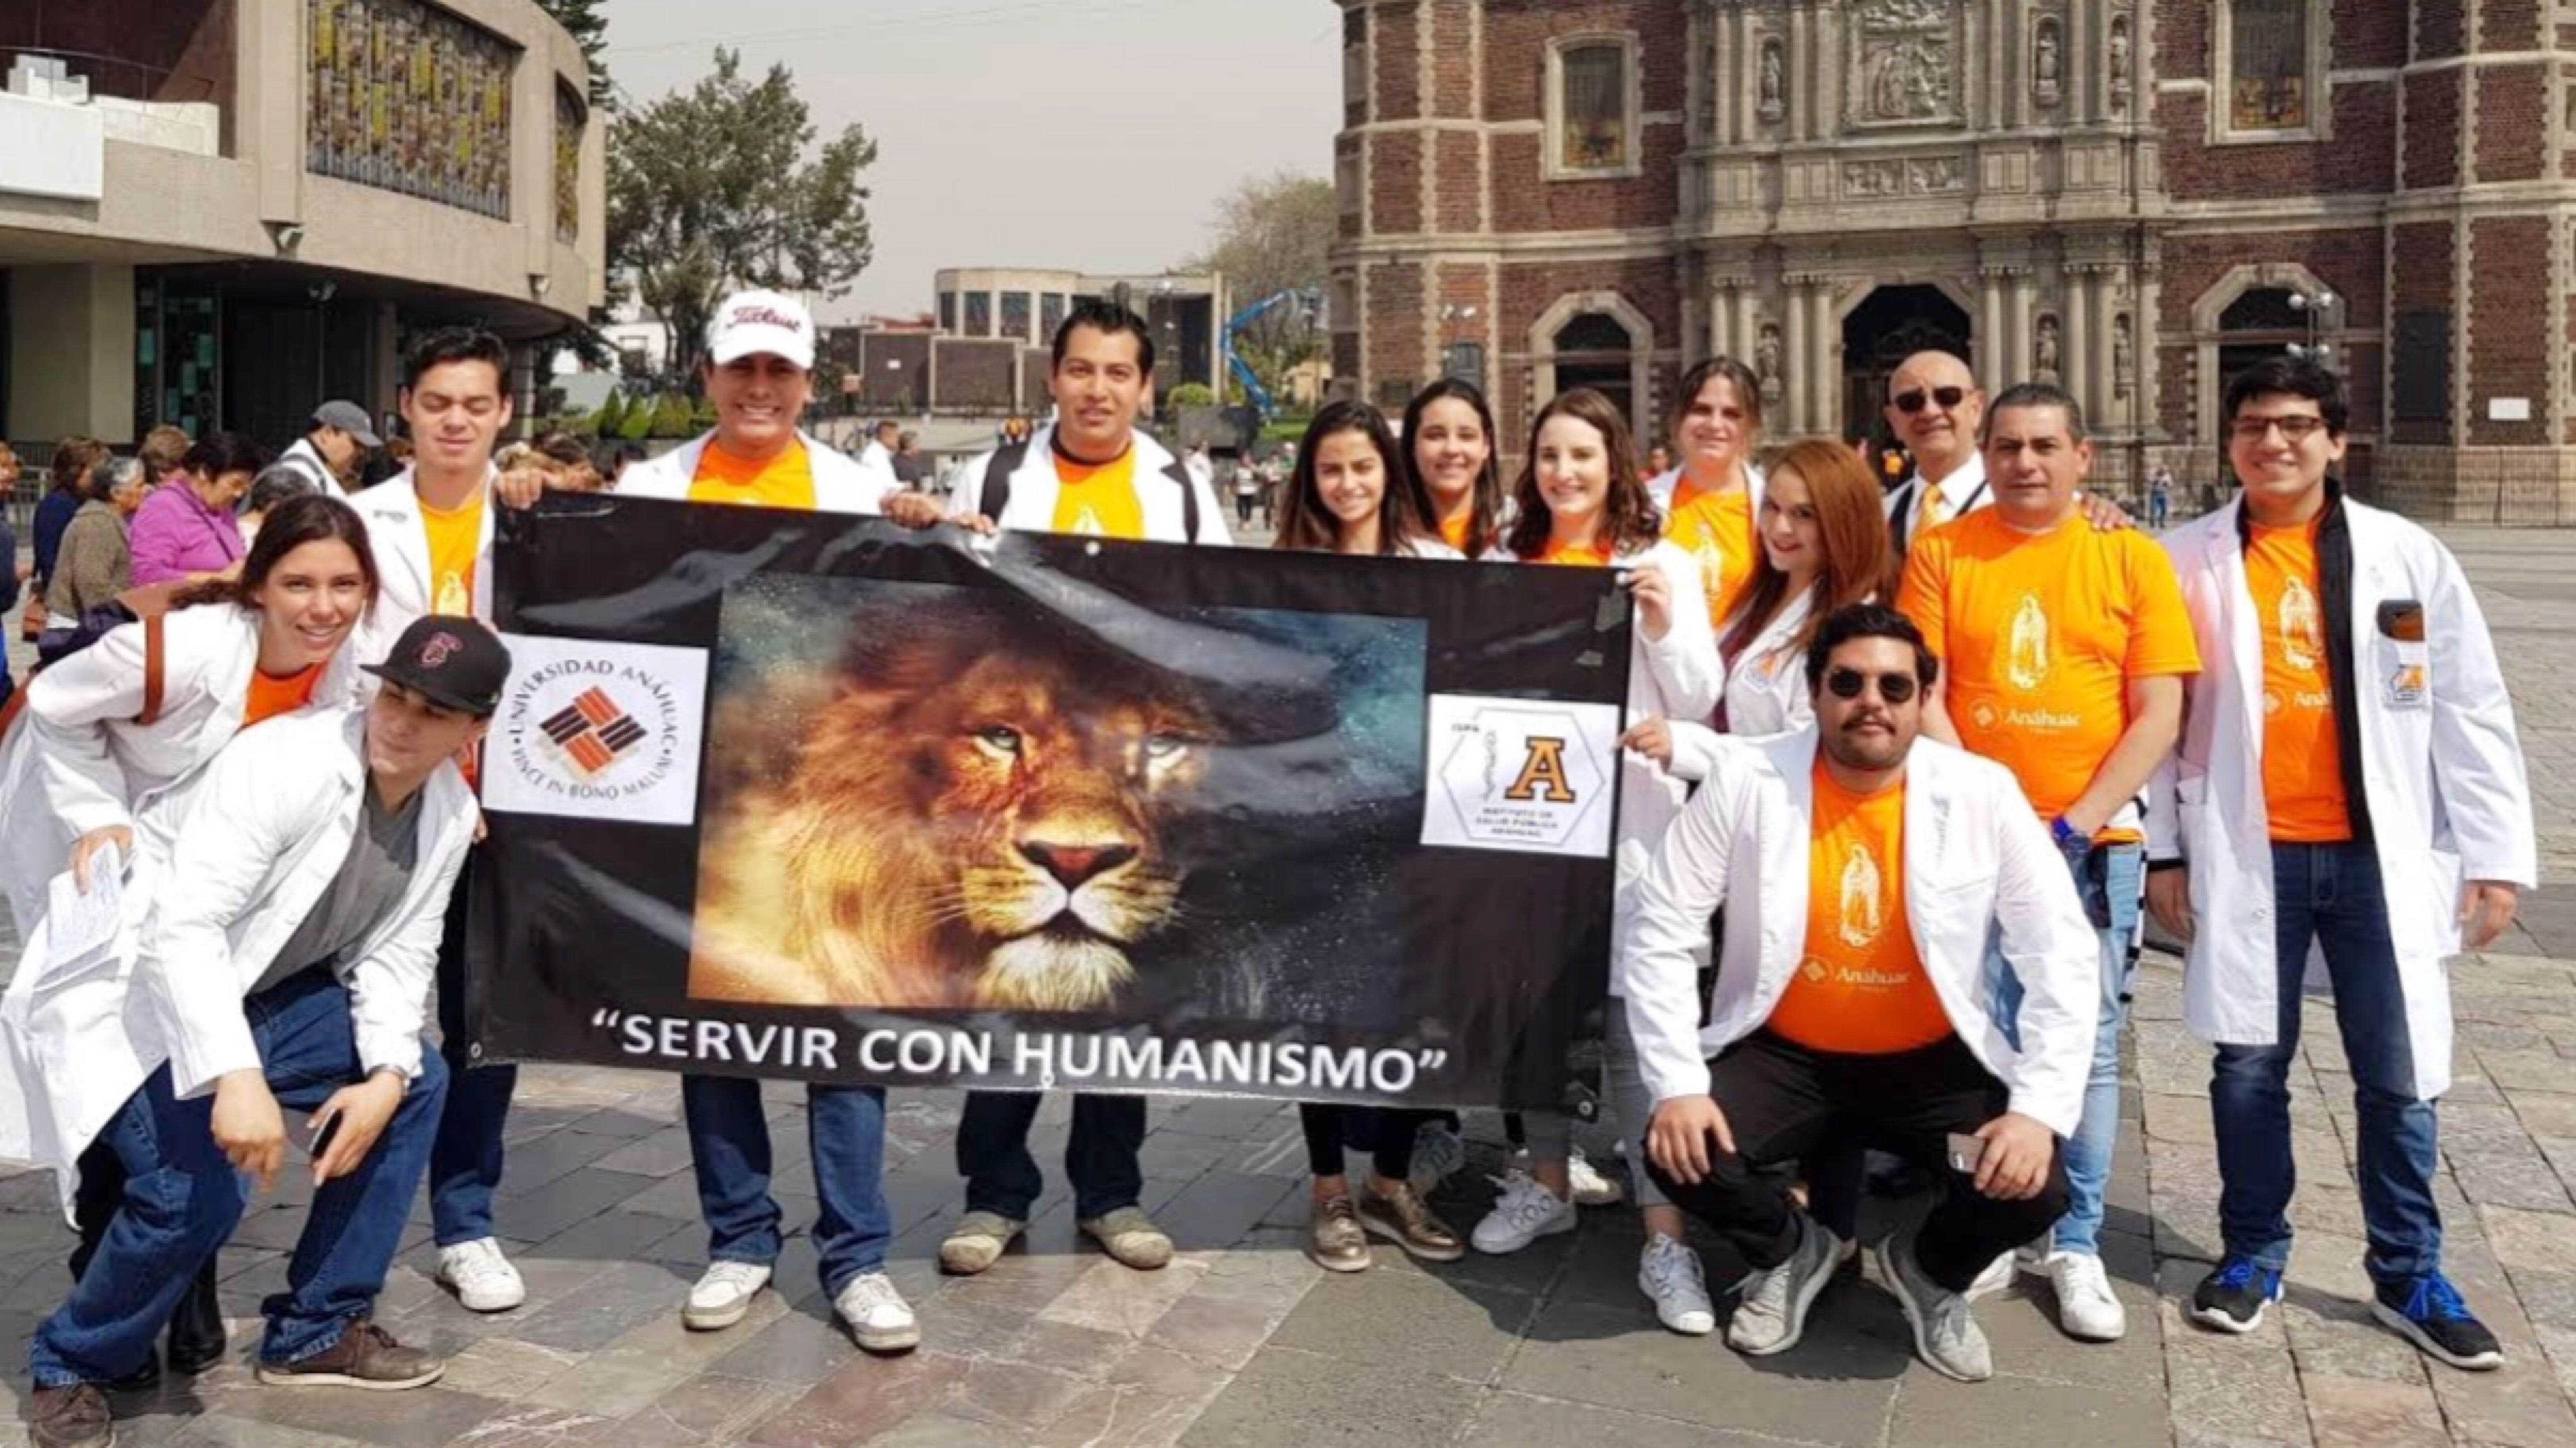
(1944, 398)
(1893, 688)
(2297, 428)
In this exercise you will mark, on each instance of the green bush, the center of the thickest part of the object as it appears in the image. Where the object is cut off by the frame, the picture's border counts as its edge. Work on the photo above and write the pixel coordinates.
(671, 419)
(610, 420)
(1193, 394)
(637, 424)
(704, 418)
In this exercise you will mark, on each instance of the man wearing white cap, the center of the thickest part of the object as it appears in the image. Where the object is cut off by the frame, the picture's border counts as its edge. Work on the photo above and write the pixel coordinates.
(759, 373)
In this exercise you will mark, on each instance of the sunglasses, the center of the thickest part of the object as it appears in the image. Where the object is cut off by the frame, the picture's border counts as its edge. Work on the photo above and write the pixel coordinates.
(1893, 688)
(1944, 398)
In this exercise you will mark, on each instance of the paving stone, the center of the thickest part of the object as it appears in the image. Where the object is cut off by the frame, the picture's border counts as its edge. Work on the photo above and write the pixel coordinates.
(1934, 1412)
(709, 1408)
(657, 1154)
(1017, 1395)
(427, 1417)
(606, 1307)
(862, 1400)
(1827, 1389)
(1287, 1398)
(2531, 1239)
(505, 1368)
(539, 1425)
(1124, 1416)
(1426, 1326)
(2236, 1388)
(1517, 1420)
(2372, 1413)
(1112, 1298)
(218, 1430)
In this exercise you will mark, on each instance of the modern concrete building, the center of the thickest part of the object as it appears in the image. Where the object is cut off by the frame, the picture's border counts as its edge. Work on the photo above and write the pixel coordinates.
(216, 213)
(990, 350)
(2135, 197)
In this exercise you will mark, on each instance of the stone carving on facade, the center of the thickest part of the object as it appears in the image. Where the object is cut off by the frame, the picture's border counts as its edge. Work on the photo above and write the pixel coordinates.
(1933, 175)
(1916, 176)
(2047, 63)
(1766, 360)
(1775, 99)
(1904, 61)
(1873, 178)
(2124, 356)
(2120, 57)
(2045, 352)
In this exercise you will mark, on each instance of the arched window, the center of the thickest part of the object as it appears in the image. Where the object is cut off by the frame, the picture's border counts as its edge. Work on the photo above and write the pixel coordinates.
(1593, 350)
(2257, 325)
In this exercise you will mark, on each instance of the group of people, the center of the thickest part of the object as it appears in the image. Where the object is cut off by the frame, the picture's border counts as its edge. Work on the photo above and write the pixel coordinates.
(1901, 769)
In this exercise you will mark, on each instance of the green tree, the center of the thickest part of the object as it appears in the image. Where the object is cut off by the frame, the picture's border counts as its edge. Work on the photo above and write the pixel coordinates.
(611, 421)
(711, 189)
(590, 28)
(1192, 394)
(672, 419)
(1272, 234)
(637, 424)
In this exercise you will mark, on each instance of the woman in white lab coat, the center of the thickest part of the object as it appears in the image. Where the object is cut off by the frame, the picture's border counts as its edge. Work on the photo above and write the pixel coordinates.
(1581, 503)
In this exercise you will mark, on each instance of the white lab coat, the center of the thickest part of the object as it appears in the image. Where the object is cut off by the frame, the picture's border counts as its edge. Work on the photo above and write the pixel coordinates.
(1976, 861)
(2443, 772)
(1676, 677)
(1034, 486)
(77, 761)
(400, 541)
(220, 885)
(1766, 692)
(842, 484)
(1965, 490)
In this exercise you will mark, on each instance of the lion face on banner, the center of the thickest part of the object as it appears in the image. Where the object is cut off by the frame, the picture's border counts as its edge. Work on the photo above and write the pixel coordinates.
(977, 820)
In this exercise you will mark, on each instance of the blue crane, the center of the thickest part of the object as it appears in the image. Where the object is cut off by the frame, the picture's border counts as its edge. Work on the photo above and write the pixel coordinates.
(1259, 396)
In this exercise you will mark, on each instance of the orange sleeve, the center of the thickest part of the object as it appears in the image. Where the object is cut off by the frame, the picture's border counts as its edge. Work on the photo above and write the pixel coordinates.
(1920, 597)
(2161, 641)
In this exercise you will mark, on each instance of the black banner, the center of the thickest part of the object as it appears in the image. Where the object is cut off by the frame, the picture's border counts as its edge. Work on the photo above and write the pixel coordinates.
(809, 796)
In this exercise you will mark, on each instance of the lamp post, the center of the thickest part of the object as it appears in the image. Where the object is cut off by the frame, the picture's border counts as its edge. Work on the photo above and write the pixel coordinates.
(2317, 308)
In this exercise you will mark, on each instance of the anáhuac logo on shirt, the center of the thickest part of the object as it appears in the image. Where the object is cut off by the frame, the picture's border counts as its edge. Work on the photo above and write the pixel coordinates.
(598, 731)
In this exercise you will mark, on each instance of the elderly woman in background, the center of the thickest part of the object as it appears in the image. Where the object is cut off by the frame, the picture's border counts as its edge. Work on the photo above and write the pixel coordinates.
(163, 453)
(94, 564)
(274, 485)
(75, 458)
(186, 531)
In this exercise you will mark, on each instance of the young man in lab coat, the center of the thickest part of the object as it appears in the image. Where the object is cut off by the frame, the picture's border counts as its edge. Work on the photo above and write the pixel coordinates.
(1863, 871)
(2348, 781)
(285, 962)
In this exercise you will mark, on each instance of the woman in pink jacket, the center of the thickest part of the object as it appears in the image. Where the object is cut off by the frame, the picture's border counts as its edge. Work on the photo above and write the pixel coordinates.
(186, 531)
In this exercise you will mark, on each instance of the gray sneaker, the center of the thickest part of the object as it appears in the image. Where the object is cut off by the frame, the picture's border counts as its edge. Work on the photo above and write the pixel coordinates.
(1946, 1336)
(1773, 1313)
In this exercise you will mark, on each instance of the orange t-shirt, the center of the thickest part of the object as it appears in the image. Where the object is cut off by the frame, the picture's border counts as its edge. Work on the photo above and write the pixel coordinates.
(2302, 758)
(270, 697)
(1453, 531)
(1859, 987)
(1717, 530)
(1098, 499)
(2038, 637)
(455, 537)
(1571, 556)
(785, 481)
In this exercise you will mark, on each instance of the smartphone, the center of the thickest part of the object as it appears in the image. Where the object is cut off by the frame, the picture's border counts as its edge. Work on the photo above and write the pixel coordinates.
(1965, 1152)
(320, 1141)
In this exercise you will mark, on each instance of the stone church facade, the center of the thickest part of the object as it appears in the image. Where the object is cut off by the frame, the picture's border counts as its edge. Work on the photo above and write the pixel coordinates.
(2131, 197)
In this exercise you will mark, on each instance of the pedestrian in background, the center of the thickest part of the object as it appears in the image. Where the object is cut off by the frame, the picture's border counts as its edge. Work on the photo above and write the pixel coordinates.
(186, 531)
(96, 563)
(75, 458)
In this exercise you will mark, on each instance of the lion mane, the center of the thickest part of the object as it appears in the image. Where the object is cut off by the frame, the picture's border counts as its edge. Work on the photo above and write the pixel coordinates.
(976, 819)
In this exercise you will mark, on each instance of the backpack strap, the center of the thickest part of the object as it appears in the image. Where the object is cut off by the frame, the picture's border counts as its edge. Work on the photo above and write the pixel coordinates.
(996, 493)
(153, 670)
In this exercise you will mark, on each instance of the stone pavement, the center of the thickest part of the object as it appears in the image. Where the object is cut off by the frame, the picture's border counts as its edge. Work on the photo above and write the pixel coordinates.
(1242, 1342)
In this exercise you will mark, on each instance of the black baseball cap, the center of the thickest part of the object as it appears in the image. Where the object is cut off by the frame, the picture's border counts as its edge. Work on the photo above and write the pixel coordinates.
(451, 661)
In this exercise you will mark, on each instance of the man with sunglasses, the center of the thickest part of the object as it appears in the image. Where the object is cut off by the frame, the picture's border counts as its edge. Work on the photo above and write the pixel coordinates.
(1864, 871)
(1933, 407)
(2349, 780)
(2064, 652)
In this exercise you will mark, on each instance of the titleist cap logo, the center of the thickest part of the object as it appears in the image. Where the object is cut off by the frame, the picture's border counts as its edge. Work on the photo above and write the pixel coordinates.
(764, 316)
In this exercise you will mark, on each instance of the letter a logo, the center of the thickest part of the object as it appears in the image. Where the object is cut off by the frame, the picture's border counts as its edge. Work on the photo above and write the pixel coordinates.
(1543, 774)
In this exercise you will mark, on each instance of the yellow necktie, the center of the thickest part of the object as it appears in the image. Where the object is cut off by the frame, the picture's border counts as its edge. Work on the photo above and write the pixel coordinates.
(1936, 509)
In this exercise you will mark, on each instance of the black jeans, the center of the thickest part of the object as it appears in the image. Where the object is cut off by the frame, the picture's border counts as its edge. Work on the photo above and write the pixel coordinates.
(465, 1160)
(1099, 1157)
(1784, 1102)
(1385, 1132)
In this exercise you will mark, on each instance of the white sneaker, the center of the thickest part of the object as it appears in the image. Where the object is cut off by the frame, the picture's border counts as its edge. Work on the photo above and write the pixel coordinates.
(483, 1279)
(877, 1314)
(1670, 1273)
(1438, 1153)
(1591, 1188)
(1525, 1213)
(2086, 1308)
(1997, 1277)
(723, 1295)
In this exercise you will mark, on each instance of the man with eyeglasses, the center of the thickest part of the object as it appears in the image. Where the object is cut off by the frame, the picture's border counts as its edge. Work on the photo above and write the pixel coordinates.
(1900, 857)
(1933, 407)
(2349, 780)
(2065, 650)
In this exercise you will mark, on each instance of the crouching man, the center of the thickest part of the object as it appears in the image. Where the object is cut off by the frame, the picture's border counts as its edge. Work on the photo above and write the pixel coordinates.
(1862, 870)
(285, 963)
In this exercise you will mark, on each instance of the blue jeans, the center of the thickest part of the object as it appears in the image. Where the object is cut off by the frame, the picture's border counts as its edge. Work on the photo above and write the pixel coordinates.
(2331, 895)
(729, 1143)
(183, 1198)
(465, 1161)
(1100, 1155)
(2114, 898)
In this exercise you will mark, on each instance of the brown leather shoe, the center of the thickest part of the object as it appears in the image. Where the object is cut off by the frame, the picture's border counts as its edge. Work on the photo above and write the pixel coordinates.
(1403, 1219)
(366, 1356)
(1334, 1237)
(73, 1417)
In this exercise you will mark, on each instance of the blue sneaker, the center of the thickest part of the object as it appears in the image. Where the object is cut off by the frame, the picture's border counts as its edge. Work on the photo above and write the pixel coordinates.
(2235, 1297)
(2428, 1312)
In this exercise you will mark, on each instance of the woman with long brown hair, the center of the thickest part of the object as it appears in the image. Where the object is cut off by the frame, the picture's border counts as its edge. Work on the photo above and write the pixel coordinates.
(1582, 503)
(1449, 450)
(1712, 500)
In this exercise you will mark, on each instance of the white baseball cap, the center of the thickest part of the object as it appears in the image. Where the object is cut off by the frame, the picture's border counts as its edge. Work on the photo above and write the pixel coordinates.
(761, 321)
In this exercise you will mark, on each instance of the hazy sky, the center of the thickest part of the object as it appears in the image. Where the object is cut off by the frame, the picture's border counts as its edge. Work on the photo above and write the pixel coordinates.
(1093, 134)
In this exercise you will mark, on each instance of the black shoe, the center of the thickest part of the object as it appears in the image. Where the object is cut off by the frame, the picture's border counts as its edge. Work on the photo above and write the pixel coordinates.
(142, 1380)
(2234, 1298)
(2428, 1312)
(73, 1417)
(197, 1340)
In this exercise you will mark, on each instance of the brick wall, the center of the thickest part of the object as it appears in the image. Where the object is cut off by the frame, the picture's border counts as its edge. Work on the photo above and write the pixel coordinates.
(2432, 156)
(2421, 277)
(2181, 39)
(1395, 325)
(1524, 203)
(1398, 64)
(975, 372)
(1461, 180)
(2509, 274)
(1355, 38)
(1395, 182)
(2509, 25)
(2366, 33)
(1453, 61)
(2441, 28)
(2513, 122)
(2360, 159)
